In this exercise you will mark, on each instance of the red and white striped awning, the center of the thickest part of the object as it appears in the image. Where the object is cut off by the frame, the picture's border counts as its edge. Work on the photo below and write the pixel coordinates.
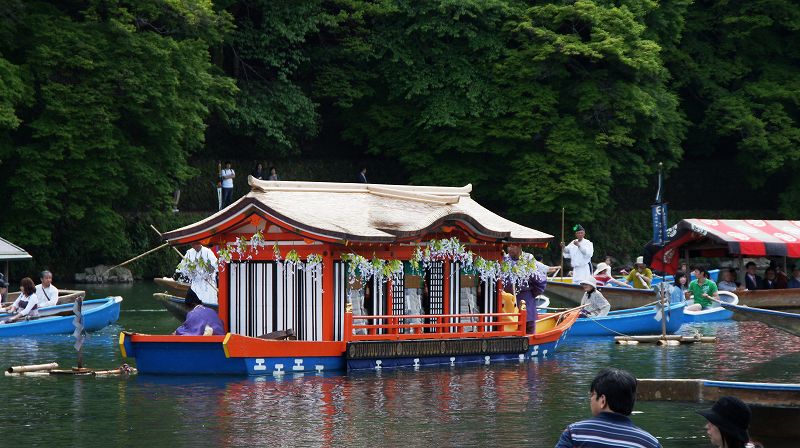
(715, 237)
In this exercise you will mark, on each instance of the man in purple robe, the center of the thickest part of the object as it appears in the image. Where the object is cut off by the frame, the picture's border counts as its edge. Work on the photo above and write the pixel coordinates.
(200, 320)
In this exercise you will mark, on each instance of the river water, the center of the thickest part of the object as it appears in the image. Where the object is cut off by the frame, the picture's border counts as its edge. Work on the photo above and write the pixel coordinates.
(510, 404)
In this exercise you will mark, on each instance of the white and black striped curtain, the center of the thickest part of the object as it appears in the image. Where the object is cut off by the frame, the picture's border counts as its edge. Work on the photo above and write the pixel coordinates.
(340, 298)
(489, 297)
(454, 301)
(266, 296)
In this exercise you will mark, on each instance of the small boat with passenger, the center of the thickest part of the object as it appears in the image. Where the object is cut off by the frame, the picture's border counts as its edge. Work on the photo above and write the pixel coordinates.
(630, 322)
(713, 313)
(97, 314)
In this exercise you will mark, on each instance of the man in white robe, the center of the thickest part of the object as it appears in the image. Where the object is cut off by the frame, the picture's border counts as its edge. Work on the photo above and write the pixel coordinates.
(200, 266)
(579, 251)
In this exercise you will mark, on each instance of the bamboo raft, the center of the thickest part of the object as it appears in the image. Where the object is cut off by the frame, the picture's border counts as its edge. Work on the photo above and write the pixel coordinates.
(670, 339)
(52, 369)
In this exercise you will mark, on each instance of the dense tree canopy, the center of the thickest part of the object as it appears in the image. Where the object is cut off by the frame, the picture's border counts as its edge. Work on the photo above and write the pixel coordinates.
(538, 104)
(116, 96)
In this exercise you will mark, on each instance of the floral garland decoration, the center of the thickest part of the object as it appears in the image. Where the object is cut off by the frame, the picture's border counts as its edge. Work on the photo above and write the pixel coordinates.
(360, 268)
(511, 272)
(202, 269)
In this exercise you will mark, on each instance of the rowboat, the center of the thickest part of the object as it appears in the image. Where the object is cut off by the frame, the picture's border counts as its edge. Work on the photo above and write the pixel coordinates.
(775, 407)
(635, 321)
(64, 296)
(715, 312)
(177, 305)
(619, 297)
(788, 322)
(174, 287)
(97, 314)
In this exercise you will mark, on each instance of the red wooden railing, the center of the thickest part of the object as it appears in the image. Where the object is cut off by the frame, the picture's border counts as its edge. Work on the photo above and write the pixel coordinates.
(439, 326)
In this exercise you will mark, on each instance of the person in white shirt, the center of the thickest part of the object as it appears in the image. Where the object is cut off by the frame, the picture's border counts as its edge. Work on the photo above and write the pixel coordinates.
(579, 251)
(227, 175)
(200, 266)
(27, 304)
(46, 292)
(543, 268)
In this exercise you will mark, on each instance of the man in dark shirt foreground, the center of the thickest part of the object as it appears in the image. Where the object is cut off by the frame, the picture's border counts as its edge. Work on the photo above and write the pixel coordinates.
(613, 393)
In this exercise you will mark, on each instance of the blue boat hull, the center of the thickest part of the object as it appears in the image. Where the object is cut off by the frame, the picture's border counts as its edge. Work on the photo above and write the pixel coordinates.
(100, 314)
(210, 358)
(717, 315)
(628, 322)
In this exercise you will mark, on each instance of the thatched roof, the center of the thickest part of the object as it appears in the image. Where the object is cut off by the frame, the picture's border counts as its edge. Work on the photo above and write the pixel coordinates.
(364, 212)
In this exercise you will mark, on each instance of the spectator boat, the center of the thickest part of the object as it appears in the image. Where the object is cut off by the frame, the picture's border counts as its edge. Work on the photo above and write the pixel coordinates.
(174, 287)
(629, 322)
(65, 296)
(714, 312)
(97, 314)
(177, 305)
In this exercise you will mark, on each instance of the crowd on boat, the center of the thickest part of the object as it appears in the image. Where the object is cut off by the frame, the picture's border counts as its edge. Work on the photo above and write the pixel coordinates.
(31, 298)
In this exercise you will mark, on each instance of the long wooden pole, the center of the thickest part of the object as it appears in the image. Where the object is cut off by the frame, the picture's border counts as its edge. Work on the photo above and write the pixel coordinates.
(562, 242)
(135, 258)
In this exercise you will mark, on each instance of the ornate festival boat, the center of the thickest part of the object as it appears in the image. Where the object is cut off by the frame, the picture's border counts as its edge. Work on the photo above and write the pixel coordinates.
(296, 255)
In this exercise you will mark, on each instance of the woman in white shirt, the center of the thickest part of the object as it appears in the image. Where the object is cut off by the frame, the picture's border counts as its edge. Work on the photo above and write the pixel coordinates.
(27, 304)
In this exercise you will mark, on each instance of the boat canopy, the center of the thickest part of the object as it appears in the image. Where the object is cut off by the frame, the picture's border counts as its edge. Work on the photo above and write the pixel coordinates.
(366, 213)
(10, 251)
(725, 237)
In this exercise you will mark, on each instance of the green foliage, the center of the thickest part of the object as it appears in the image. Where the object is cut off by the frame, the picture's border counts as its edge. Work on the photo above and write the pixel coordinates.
(542, 105)
(737, 66)
(122, 91)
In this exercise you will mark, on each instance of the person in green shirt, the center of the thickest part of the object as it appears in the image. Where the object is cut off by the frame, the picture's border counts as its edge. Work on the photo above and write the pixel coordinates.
(641, 277)
(702, 290)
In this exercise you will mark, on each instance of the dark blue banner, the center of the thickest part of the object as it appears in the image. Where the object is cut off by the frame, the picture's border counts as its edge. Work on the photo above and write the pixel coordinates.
(659, 223)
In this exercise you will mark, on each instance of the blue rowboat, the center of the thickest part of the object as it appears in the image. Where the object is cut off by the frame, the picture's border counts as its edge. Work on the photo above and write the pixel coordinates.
(788, 322)
(634, 321)
(713, 313)
(97, 314)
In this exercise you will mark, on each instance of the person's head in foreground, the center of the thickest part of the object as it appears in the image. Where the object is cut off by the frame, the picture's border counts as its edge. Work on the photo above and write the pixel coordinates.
(728, 421)
(612, 390)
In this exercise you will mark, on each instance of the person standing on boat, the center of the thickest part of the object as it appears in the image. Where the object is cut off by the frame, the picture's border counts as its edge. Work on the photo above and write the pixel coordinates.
(641, 276)
(27, 304)
(528, 290)
(728, 421)
(47, 293)
(579, 251)
(611, 399)
(200, 266)
(200, 321)
(273, 174)
(227, 175)
(595, 305)
(702, 290)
